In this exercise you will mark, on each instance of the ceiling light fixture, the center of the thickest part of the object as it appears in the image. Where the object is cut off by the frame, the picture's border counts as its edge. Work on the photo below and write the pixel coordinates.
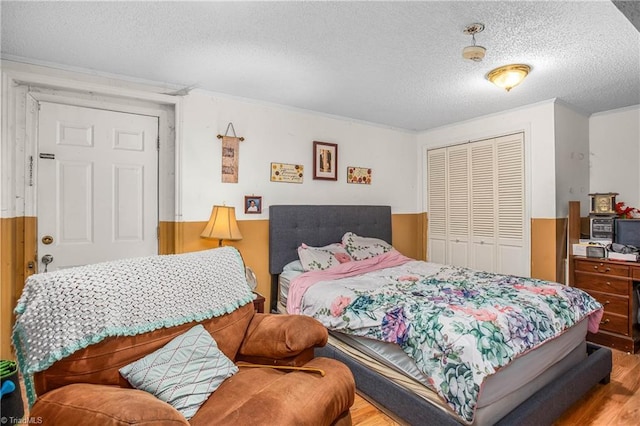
(474, 53)
(508, 76)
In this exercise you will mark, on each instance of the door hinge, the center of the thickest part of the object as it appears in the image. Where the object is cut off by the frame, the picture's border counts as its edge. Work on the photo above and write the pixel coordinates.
(158, 144)
(157, 232)
(31, 170)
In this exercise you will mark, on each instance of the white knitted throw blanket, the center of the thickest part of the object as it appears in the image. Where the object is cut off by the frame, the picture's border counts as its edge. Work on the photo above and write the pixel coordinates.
(63, 311)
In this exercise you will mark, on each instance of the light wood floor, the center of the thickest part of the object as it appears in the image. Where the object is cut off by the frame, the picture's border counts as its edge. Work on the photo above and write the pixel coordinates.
(617, 403)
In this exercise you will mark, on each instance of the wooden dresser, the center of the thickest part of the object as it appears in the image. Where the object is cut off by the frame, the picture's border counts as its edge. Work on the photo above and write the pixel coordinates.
(613, 284)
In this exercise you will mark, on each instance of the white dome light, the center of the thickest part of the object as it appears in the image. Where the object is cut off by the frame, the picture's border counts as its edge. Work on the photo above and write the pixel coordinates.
(474, 53)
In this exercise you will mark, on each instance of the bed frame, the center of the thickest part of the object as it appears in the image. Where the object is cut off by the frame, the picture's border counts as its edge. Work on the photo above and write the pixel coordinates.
(319, 225)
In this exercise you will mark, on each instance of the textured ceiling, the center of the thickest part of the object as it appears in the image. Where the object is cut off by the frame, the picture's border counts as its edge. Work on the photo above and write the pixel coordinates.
(395, 64)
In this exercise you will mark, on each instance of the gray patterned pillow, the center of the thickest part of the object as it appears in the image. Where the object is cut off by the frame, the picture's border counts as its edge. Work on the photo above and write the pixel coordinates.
(184, 372)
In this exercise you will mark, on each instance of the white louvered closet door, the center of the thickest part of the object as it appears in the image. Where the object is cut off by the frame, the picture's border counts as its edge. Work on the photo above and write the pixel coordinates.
(458, 206)
(483, 205)
(510, 195)
(437, 200)
(476, 210)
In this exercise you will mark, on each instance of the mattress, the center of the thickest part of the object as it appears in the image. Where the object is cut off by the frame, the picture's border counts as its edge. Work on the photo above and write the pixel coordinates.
(283, 285)
(500, 393)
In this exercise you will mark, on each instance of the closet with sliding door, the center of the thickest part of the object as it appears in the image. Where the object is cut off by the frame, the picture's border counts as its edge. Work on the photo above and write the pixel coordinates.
(475, 201)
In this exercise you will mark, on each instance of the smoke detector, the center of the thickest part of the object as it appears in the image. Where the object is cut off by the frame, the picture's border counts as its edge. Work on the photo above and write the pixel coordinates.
(474, 53)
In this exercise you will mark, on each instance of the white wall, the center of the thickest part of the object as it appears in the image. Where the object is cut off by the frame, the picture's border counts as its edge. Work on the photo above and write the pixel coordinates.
(572, 159)
(280, 134)
(614, 145)
(283, 135)
(272, 134)
(537, 122)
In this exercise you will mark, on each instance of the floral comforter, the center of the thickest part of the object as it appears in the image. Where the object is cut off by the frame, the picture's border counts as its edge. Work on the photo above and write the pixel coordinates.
(459, 325)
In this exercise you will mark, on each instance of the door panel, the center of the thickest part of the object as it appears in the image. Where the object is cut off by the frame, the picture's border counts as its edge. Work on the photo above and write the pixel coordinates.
(128, 208)
(73, 201)
(97, 185)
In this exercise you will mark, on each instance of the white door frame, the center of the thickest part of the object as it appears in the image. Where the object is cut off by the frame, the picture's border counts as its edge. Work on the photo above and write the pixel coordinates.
(21, 91)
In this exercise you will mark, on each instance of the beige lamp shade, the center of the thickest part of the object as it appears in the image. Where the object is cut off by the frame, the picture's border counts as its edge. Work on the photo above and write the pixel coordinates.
(508, 76)
(222, 225)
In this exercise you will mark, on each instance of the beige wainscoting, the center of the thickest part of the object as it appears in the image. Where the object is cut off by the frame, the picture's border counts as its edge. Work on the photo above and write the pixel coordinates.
(18, 248)
(548, 248)
(18, 236)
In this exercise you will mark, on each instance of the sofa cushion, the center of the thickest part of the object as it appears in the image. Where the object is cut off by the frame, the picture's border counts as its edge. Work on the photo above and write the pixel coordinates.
(88, 404)
(184, 372)
(282, 336)
(269, 396)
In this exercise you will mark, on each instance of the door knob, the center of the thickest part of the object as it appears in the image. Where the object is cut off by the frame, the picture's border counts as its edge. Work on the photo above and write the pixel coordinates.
(47, 259)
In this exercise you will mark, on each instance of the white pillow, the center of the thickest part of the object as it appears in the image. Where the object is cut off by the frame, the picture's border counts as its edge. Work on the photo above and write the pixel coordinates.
(317, 258)
(295, 266)
(361, 248)
(184, 372)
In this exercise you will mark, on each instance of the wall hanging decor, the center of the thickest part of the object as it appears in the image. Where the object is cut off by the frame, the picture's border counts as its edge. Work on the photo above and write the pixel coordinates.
(230, 155)
(360, 175)
(290, 173)
(325, 160)
(252, 204)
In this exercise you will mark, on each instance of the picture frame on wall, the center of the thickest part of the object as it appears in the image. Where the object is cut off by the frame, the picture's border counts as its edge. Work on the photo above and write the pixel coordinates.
(359, 175)
(325, 160)
(252, 204)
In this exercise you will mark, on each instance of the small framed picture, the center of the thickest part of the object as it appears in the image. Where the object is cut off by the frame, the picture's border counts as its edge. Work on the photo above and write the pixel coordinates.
(252, 204)
(325, 160)
(361, 175)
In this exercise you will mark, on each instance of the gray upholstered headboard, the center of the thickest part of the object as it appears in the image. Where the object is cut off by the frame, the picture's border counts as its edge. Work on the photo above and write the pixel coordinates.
(318, 225)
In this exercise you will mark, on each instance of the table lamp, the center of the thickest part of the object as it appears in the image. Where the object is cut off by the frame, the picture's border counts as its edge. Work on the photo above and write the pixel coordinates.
(222, 225)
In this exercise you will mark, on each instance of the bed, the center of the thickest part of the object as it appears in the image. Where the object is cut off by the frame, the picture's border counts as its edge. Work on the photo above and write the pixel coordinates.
(534, 385)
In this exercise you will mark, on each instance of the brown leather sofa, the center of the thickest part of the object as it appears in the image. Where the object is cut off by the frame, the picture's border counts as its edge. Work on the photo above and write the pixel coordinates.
(87, 388)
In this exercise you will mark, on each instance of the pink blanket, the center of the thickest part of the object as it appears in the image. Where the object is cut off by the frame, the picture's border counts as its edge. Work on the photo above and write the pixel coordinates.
(300, 284)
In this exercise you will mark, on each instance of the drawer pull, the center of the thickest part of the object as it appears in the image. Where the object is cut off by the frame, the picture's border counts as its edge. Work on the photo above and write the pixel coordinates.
(607, 269)
(605, 321)
(606, 302)
(608, 283)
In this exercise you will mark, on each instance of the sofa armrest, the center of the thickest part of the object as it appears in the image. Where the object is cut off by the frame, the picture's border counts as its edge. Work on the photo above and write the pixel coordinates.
(90, 404)
(280, 337)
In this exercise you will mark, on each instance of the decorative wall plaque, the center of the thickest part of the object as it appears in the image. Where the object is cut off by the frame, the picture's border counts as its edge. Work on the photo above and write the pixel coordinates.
(290, 173)
(230, 155)
(361, 175)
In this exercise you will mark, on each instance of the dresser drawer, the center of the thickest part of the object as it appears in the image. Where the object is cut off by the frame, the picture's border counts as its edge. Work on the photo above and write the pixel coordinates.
(604, 284)
(635, 273)
(615, 323)
(612, 303)
(602, 268)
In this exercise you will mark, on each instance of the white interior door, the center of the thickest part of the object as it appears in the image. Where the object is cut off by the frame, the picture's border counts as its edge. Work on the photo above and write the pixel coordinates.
(97, 185)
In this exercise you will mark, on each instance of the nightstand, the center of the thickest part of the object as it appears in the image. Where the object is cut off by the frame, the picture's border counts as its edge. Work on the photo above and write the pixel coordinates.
(258, 303)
